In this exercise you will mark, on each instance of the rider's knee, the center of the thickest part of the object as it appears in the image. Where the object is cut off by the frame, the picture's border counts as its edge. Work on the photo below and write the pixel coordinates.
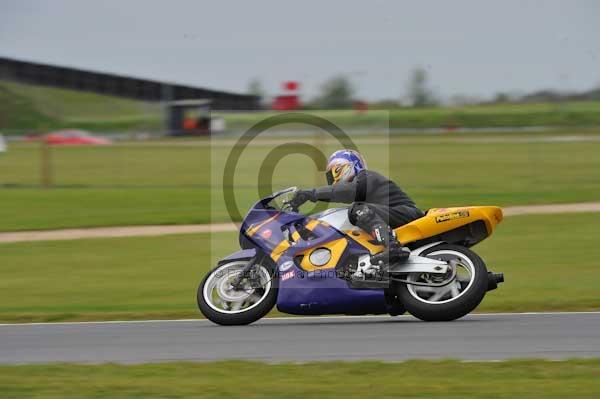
(360, 214)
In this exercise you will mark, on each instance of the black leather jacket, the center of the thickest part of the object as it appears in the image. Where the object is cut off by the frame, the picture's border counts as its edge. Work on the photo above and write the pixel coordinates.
(368, 186)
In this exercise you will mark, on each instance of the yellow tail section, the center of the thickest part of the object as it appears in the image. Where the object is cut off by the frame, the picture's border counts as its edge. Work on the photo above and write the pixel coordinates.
(437, 221)
(440, 220)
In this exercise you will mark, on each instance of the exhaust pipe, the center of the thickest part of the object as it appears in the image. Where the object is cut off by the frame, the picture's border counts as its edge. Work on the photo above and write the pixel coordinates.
(494, 279)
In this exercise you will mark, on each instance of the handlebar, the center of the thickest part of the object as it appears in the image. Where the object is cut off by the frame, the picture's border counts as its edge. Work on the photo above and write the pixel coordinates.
(282, 199)
(289, 207)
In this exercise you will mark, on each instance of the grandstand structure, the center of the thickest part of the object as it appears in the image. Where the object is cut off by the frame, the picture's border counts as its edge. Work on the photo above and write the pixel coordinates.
(119, 85)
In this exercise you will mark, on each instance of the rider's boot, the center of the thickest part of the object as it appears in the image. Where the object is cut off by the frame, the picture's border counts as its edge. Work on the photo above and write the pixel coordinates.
(361, 215)
(393, 252)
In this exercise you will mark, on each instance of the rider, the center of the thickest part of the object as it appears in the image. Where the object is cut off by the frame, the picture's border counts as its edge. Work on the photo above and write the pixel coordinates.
(378, 204)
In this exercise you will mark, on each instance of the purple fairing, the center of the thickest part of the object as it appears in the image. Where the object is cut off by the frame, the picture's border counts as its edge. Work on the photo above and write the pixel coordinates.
(322, 292)
(269, 234)
(317, 296)
(313, 293)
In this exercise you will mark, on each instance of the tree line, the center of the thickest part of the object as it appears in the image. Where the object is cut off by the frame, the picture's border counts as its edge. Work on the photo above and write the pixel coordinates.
(338, 92)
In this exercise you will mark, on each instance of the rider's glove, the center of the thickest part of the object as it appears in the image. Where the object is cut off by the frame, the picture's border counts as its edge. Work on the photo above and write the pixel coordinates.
(302, 196)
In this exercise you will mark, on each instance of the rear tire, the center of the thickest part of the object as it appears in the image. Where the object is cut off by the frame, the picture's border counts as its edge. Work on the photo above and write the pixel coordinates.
(455, 306)
(226, 317)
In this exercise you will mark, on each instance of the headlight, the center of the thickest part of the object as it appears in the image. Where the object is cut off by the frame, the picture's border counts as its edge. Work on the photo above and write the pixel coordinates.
(320, 256)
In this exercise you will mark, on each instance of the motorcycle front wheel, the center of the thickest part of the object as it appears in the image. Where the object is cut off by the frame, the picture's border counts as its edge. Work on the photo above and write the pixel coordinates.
(223, 304)
(454, 300)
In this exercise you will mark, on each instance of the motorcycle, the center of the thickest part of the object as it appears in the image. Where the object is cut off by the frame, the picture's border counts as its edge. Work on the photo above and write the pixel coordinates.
(321, 264)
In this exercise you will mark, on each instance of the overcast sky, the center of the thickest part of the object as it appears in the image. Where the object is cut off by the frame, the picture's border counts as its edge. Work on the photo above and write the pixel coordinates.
(468, 47)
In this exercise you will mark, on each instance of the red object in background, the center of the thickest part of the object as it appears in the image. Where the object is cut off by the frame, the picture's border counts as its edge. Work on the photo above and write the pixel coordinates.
(450, 128)
(286, 103)
(190, 124)
(74, 137)
(291, 85)
(361, 106)
(290, 101)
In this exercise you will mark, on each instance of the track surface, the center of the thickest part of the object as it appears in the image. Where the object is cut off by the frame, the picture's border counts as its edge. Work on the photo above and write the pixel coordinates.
(476, 337)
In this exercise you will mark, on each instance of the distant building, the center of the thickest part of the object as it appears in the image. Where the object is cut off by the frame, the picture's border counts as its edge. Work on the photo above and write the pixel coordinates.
(288, 101)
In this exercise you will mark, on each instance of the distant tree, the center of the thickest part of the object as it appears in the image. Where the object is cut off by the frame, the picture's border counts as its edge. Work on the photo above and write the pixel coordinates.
(502, 98)
(418, 91)
(255, 88)
(544, 96)
(464, 99)
(594, 94)
(336, 92)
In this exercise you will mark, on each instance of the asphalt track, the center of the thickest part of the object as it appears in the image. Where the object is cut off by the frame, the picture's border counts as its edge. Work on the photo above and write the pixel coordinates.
(475, 337)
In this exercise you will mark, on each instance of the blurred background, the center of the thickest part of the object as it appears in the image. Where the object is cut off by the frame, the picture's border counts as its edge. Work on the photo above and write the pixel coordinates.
(117, 118)
(122, 115)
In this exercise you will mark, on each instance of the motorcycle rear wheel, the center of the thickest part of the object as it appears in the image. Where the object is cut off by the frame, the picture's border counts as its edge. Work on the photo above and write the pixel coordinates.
(454, 300)
(221, 304)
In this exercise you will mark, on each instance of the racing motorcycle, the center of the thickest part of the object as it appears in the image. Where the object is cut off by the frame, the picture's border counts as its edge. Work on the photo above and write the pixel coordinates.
(321, 264)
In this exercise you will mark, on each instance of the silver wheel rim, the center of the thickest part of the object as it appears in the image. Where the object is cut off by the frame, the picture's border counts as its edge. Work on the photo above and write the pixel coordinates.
(223, 298)
(465, 275)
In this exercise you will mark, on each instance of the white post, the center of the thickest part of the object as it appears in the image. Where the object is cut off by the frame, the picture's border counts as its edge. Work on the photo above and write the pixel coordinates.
(2, 144)
(46, 164)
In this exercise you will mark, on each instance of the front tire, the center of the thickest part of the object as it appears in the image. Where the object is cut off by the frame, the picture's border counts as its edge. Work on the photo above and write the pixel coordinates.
(454, 300)
(223, 305)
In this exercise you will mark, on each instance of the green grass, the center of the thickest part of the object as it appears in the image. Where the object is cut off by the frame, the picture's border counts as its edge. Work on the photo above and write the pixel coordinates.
(30, 208)
(550, 263)
(74, 105)
(167, 183)
(496, 115)
(25, 107)
(236, 379)
(17, 112)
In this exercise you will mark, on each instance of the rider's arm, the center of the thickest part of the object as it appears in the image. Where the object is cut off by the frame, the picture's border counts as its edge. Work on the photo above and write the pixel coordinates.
(344, 192)
(341, 192)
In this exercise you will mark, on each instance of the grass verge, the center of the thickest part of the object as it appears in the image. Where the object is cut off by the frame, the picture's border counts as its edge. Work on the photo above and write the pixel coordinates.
(412, 379)
(491, 115)
(40, 107)
(170, 183)
(29, 108)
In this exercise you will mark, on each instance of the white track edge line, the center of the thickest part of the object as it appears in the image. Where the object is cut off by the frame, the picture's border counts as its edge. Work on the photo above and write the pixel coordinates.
(280, 318)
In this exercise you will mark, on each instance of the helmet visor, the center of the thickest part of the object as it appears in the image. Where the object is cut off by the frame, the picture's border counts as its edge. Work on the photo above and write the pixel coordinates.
(342, 171)
(329, 177)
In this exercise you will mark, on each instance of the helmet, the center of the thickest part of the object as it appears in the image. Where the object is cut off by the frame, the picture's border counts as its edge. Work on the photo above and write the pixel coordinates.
(343, 165)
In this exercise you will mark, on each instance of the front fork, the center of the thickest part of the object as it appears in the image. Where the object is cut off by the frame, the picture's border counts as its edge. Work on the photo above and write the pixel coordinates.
(247, 271)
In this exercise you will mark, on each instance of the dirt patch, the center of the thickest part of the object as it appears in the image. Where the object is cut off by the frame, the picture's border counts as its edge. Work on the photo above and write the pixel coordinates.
(551, 208)
(147, 231)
